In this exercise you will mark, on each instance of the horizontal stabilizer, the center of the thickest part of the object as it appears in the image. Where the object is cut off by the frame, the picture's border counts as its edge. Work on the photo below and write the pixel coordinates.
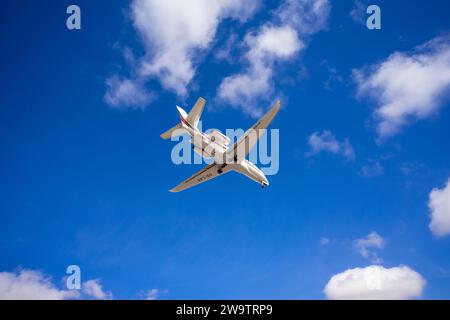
(175, 131)
(196, 112)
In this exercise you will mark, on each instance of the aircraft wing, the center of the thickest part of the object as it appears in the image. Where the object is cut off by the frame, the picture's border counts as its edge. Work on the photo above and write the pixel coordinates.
(207, 173)
(247, 141)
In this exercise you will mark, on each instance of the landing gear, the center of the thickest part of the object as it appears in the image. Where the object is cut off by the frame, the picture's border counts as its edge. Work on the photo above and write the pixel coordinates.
(235, 158)
(220, 171)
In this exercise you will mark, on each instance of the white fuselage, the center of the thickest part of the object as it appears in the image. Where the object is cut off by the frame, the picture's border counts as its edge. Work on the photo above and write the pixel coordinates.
(209, 149)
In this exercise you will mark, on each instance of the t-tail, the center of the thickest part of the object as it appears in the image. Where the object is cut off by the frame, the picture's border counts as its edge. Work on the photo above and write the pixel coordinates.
(190, 119)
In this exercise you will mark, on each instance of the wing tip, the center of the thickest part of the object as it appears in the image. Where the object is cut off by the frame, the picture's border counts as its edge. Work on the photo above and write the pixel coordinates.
(278, 104)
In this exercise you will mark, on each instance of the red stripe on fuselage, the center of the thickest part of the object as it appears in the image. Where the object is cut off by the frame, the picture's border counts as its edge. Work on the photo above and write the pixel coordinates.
(185, 122)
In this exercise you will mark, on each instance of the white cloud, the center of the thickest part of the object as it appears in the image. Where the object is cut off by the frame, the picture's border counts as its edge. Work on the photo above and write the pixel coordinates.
(306, 16)
(366, 246)
(333, 78)
(126, 93)
(358, 12)
(225, 52)
(278, 40)
(326, 142)
(373, 169)
(407, 86)
(376, 283)
(93, 288)
(324, 241)
(152, 294)
(439, 205)
(174, 33)
(31, 285)
(34, 285)
(269, 44)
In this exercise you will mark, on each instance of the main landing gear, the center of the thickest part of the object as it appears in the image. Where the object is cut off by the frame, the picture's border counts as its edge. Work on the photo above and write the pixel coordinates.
(220, 171)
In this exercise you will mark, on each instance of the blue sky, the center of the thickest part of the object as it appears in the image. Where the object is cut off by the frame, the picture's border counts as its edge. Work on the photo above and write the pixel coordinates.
(84, 178)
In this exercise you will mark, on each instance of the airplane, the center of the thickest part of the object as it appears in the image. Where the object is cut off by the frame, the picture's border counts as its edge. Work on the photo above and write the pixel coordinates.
(215, 145)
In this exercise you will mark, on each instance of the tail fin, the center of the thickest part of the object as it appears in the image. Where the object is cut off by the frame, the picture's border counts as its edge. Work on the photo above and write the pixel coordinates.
(190, 120)
(177, 130)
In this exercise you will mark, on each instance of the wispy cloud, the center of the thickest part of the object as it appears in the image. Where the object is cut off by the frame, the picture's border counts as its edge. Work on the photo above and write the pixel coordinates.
(334, 76)
(94, 289)
(127, 93)
(407, 86)
(327, 142)
(366, 247)
(372, 169)
(225, 52)
(152, 294)
(275, 41)
(358, 13)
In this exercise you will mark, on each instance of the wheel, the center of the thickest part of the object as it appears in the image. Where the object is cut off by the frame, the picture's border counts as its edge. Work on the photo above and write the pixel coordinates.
(220, 171)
